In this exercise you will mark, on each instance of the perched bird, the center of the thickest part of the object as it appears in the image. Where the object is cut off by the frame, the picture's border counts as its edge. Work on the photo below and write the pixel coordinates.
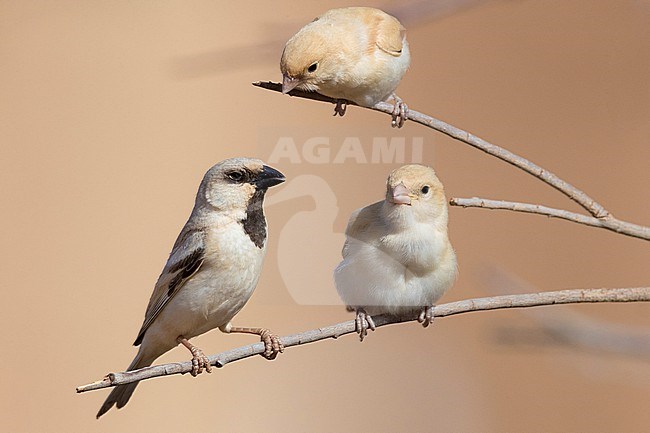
(397, 258)
(212, 270)
(358, 54)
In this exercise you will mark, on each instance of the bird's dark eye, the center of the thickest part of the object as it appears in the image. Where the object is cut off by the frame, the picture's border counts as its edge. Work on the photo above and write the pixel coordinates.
(425, 189)
(312, 67)
(236, 176)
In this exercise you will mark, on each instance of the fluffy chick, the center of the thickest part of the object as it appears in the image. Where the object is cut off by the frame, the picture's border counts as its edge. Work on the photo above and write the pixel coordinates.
(358, 54)
(212, 270)
(397, 258)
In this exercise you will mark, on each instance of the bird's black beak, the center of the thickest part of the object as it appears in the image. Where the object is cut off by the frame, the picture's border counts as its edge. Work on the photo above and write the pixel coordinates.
(268, 178)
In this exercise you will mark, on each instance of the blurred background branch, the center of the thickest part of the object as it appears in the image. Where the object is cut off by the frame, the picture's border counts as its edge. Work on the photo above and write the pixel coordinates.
(637, 294)
(605, 218)
(565, 327)
(574, 330)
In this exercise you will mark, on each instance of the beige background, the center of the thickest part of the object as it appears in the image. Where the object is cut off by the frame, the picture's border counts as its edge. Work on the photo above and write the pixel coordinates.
(110, 113)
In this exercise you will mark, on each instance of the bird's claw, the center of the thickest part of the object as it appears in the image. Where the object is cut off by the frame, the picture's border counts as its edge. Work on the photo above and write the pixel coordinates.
(426, 316)
(400, 113)
(341, 106)
(199, 362)
(272, 344)
(363, 322)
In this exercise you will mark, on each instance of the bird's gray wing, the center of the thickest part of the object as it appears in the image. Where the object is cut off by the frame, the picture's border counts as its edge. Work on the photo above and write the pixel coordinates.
(359, 224)
(348, 233)
(184, 261)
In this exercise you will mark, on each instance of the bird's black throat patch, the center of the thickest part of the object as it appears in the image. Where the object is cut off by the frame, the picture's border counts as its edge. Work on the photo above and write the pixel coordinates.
(255, 223)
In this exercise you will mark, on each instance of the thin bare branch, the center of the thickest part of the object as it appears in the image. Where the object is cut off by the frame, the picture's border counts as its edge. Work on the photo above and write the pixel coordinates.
(638, 294)
(593, 207)
(609, 223)
(585, 201)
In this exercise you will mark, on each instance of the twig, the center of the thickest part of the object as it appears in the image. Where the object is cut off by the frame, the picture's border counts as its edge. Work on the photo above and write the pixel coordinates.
(575, 194)
(639, 294)
(609, 223)
(570, 191)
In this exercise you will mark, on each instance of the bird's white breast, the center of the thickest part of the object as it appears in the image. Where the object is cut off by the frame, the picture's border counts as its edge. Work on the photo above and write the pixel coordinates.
(398, 272)
(221, 287)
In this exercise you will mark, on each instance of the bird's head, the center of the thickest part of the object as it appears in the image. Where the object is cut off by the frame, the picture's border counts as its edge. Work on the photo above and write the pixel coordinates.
(230, 185)
(416, 189)
(307, 61)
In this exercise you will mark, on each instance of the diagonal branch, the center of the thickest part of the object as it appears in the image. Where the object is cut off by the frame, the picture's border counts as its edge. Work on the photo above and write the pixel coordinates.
(570, 191)
(638, 294)
(585, 201)
(609, 223)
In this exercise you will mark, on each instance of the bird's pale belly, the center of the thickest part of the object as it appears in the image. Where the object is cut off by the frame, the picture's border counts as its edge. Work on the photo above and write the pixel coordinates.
(217, 300)
(206, 302)
(392, 280)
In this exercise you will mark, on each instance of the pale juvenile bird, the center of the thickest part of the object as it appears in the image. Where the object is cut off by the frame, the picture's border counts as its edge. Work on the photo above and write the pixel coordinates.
(397, 258)
(358, 54)
(212, 270)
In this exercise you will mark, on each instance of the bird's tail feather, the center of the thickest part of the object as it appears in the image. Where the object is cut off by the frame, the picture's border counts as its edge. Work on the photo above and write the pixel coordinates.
(121, 394)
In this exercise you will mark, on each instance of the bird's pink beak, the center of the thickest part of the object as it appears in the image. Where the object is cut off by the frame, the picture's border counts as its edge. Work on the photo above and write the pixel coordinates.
(401, 195)
(288, 83)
